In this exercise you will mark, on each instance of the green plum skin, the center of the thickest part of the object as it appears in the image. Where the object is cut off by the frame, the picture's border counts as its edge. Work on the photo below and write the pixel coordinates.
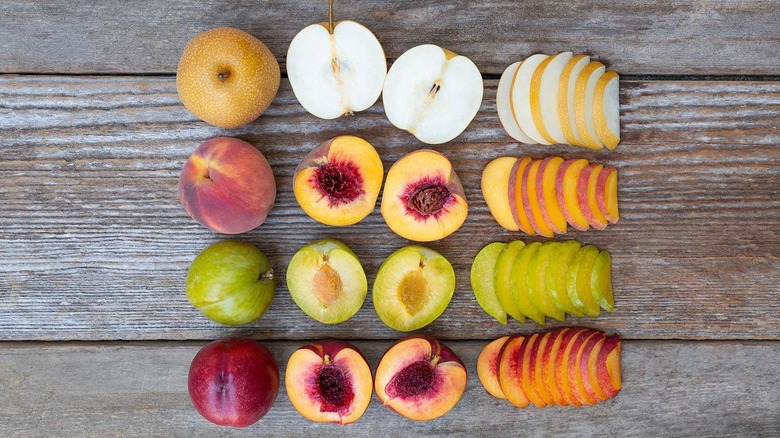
(231, 282)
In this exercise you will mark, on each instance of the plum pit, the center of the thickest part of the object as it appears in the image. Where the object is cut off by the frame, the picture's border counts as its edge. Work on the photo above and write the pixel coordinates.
(341, 183)
(334, 388)
(413, 291)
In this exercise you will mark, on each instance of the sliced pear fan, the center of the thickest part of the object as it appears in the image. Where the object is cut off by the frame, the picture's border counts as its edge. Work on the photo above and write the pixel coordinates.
(504, 105)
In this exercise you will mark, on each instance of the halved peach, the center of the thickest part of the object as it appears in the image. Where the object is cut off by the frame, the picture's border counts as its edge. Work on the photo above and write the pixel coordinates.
(546, 194)
(423, 198)
(549, 355)
(537, 369)
(574, 369)
(495, 189)
(420, 378)
(516, 199)
(569, 341)
(338, 182)
(510, 369)
(329, 381)
(488, 367)
(531, 200)
(528, 355)
(606, 193)
(586, 196)
(567, 193)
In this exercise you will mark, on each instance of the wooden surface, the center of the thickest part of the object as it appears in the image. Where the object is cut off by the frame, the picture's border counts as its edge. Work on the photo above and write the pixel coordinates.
(94, 245)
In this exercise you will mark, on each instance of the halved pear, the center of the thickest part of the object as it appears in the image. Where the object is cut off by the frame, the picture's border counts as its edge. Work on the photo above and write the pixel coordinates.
(504, 105)
(412, 288)
(503, 278)
(326, 281)
(578, 279)
(606, 109)
(336, 72)
(545, 83)
(536, 282)
(566, 89)
(556, 276)
(520, 97)
(583, 104)
(432, 93)
(520, 294)
(482, 273)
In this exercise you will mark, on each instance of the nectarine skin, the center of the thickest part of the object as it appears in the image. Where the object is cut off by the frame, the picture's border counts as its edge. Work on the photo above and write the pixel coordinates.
(227, 185)
(233, 382)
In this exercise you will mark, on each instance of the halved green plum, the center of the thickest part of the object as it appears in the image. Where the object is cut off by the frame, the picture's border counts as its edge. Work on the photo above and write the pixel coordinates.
(536, 282)
(518, 285)
(556, 276)
(412, 288)
(482, 273)
(326, 281)
(503, 278)
(578, 280)
(601, 281)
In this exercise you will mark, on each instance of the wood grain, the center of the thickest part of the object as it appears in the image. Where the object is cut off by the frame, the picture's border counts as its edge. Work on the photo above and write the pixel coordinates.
(94, 244)
(703, 37)
(703, 389)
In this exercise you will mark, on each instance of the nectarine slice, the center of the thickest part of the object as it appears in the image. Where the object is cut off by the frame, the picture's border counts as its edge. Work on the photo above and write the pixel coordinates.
(339, 181)
(569, 341)
(586, 362)
(556, 275)
(566, 90)
(482, 280)
(531, 201)
(578, 279)
(495, 190)
(574, 367)
(488, 367)
(583, 104)
(606, 193)
(518, 286)
(527, 354)
(586, 196)
(601, 281)
(423, 198)
(549, 356)
(517, 197)
(329, 381)
(510, 369)
(546, 193)
(606, 109)
(536, 282)
(537, 369)
(567, 193)
(420, 378)
(503, 279)
(611, 361)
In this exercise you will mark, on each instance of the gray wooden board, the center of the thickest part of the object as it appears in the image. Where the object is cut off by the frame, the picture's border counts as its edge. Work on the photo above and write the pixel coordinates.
(94, 244)
(709, 37)
(702, 389)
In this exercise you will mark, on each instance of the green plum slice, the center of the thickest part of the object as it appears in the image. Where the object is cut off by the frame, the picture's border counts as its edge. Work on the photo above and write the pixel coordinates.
(556, 276)
(503, 277)
(412, 288)
(578, 280)
(536, 282)
(326, 281)
(231, 282)
(601, 281)
(518, 282)
(482, 272)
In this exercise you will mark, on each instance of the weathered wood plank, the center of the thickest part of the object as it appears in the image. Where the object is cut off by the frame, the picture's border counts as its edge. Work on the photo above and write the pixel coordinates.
(634, 37)
(702, 389)
(94, 244)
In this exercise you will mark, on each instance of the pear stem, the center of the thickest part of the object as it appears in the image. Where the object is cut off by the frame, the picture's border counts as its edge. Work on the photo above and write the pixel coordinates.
(330, 16)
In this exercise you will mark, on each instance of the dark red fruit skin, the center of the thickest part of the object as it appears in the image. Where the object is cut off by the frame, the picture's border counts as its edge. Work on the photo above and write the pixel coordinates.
(331, 347)
(233, 382)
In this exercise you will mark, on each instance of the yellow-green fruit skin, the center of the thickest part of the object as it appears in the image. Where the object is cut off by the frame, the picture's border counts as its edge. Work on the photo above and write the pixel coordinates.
(482, 275)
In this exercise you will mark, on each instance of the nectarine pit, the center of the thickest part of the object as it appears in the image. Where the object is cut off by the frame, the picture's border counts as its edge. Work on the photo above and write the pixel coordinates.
(416, 379)
(334, 389)
(341, 183)
(427, 197)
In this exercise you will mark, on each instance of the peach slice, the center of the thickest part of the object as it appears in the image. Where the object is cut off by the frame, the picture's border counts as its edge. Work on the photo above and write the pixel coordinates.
(537, 369)
(329, 381)
(569, 341)
(547, 194)
(504, 281)
(531, 200)
(227, 185)
(488, 367)
(339, 181)
(583, 104)
(606, 109)
(606, 193)
(608, 366)
(482, 276)
(586, 361)
(520, 290)
(528, 361)
(423, 199)
(586, 196)
(495, 190)
(567, 186)
(420, 378)
(549, 355)
(592, 372)
(573, 366)
(510, 369)
(545, 84)
(516, 203)
(566, 90)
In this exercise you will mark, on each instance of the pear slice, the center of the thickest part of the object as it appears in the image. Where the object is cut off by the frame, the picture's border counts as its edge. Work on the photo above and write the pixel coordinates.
(606, 109)
(482, 272)
(504, 105)
(566, 87)
(544, 97)
(583, 104)
(520, 97)
(336, 73)
(432, 93)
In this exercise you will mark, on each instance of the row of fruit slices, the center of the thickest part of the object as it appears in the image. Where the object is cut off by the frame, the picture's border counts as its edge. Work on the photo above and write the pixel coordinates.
(543, 196)
(560, 99)
(566, 367)
(541, 280)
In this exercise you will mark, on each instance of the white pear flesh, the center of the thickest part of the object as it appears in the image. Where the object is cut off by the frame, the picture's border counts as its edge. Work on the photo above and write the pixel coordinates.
(566, 90)
(521, 97)
(432, 93)
(544, 97)
(606, 109)
(583, 104)
(504, 106)
(337, 73)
